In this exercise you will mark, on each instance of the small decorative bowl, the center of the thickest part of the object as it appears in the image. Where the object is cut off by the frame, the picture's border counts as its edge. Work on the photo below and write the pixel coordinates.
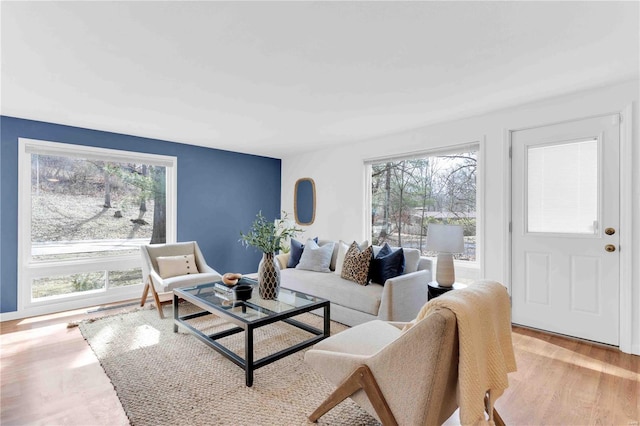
(243, 291)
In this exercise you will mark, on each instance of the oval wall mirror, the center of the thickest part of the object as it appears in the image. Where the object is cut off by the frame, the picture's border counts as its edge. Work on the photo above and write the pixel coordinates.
(304, 201)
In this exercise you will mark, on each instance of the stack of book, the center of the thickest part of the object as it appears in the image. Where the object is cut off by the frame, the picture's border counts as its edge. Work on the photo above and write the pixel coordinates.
(222, 291)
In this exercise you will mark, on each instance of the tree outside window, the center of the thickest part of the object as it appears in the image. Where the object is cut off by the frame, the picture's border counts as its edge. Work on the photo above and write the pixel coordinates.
(82, 206)
(407, 195)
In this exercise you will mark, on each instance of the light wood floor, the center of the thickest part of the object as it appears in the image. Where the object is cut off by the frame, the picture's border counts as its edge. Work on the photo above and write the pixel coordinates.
(50, 376)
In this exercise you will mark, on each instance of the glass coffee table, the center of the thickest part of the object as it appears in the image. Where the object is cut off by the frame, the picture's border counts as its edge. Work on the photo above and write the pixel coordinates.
(249, 315)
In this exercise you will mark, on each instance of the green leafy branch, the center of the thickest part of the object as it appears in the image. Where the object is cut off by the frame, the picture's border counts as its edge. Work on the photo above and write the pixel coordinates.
(268, 236)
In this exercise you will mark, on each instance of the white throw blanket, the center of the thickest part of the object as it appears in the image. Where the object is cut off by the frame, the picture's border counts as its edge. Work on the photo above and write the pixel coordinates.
(483, 314)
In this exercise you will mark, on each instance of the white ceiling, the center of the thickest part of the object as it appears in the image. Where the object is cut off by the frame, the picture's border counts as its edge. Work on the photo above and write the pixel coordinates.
(271, 78)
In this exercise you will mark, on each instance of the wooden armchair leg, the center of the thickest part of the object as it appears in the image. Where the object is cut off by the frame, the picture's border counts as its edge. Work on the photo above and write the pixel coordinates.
(157, 299)
(361, 378)
(145, 294)
(497, 420)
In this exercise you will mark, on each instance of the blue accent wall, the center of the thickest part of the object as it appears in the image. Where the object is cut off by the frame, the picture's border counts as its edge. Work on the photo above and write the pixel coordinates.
(219, 194)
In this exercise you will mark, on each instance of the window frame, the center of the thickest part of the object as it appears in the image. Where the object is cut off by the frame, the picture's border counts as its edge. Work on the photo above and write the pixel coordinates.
(28, 269)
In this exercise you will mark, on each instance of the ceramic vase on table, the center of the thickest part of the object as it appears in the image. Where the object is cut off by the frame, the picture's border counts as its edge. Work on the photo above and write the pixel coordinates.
(268, 276)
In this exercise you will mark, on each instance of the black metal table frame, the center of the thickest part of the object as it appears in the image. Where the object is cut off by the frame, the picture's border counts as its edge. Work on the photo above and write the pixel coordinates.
(248, 363)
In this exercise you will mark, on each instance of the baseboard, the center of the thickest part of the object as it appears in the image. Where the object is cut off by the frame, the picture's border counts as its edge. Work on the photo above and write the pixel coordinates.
(565, 336)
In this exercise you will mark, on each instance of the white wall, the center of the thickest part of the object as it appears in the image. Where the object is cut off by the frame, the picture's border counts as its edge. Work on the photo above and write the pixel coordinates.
(340, 182)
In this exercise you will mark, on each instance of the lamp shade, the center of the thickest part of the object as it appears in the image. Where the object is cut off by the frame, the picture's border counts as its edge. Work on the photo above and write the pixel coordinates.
(445, 238)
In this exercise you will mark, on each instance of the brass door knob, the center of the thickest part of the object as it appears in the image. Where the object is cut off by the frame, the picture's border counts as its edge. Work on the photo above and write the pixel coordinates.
(609, 231)
(610, 248)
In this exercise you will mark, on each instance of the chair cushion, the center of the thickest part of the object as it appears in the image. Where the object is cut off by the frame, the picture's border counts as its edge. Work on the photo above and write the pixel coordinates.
(174, 266)
(364, 339)
(186, 281)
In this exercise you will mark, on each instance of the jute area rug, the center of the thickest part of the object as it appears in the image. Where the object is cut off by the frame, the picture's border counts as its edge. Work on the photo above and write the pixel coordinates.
(167, 378)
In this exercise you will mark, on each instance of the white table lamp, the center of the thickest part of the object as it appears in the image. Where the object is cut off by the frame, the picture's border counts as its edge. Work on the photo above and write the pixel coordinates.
(445, 239)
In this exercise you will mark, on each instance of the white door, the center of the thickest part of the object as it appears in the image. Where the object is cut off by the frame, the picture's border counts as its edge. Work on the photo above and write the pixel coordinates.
(565, 217)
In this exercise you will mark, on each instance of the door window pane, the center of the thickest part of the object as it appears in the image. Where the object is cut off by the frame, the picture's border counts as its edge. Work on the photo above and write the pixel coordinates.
(562, 184)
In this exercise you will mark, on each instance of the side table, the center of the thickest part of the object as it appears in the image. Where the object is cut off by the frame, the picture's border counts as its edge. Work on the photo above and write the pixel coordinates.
(436, 290)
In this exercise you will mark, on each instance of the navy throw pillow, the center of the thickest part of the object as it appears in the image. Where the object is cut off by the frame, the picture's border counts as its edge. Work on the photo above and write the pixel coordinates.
(296, 252)
(387, 264)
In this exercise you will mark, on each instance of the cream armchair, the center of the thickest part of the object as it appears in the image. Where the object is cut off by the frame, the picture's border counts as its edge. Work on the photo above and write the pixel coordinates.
(163, 271)
(457, 353)
(399, 378)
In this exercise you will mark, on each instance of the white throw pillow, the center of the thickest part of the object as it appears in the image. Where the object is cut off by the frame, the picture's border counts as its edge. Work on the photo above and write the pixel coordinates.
(411, 260)
(316, 258)
(174, 266)
(342, 251)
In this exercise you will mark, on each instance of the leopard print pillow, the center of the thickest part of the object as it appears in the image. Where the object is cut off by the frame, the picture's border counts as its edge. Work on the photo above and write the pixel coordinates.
(356, 264)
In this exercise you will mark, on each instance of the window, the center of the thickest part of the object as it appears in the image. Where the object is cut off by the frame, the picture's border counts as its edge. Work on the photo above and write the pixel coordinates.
(84, 212)
(562, 196)
(409, 193)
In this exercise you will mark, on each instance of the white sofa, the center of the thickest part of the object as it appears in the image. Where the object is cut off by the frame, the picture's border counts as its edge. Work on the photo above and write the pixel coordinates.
(399, 299)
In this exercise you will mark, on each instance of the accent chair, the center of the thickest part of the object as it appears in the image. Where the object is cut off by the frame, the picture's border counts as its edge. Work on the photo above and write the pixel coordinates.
(174, 265)
(419, 373)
